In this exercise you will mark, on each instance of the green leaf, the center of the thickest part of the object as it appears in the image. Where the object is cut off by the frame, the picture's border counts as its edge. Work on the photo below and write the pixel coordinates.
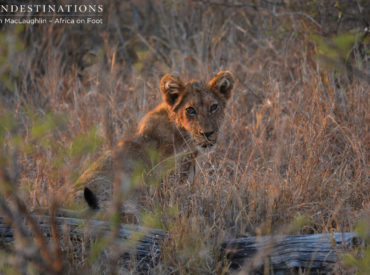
(344, 43)
(88, 143)
(362, 229)
(45, 125)
(96, 248)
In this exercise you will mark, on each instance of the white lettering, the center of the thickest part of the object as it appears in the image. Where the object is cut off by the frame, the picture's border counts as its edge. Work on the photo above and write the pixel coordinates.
(24, 21)
(14, 8)
(51, 8)
(3, 8)
(64, 21)
(82, 8)
(95, 21)
(36, 8)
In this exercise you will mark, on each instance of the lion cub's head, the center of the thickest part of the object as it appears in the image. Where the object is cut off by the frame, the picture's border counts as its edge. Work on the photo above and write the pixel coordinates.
(197, 106)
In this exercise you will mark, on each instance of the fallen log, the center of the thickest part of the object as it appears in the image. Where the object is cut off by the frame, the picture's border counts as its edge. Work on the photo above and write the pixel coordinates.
(147, 240)
(316, 253)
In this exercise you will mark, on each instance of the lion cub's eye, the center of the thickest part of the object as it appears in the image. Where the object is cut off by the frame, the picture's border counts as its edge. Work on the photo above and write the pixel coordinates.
(213, 108)
(191, 111)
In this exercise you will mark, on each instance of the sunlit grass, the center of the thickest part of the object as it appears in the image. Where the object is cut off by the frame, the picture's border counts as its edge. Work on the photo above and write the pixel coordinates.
(293, 155)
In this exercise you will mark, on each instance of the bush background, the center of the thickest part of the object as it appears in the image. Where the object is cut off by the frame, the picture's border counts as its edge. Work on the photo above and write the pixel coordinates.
(293, 156)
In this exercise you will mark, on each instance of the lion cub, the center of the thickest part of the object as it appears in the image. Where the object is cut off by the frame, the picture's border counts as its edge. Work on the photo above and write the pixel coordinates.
(186, 123)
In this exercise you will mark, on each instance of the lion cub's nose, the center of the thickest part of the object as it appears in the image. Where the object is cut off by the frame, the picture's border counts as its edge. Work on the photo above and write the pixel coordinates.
(208, 134)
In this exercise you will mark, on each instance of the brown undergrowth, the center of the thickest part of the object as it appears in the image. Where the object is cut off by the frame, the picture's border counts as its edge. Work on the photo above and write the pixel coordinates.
(295, 143)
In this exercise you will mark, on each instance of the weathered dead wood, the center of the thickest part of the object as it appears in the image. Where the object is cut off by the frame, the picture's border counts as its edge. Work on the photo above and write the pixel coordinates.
(148, 241)
(317, 253)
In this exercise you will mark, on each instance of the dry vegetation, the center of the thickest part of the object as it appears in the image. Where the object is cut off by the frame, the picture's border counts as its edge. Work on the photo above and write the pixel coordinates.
(294, 154)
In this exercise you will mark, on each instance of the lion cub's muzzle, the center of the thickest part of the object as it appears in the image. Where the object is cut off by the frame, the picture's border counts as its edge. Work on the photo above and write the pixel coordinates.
(207, 140)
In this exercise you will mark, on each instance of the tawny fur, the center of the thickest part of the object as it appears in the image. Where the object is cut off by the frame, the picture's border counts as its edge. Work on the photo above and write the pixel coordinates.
(185, 124)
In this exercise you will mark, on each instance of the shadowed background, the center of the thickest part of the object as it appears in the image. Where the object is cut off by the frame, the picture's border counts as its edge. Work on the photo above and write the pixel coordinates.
(293, 157)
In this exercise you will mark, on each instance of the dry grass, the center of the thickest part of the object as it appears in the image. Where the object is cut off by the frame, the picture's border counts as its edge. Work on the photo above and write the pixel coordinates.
(296, 137)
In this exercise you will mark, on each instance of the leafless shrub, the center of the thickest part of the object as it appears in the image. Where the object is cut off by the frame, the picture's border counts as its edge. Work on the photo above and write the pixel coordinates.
(295, 140)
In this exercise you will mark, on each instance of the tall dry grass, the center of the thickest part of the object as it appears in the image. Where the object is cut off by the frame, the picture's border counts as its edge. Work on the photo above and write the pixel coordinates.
(293, 156)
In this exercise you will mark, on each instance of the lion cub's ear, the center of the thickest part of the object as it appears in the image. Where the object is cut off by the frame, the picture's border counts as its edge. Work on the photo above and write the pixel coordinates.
(171, 88)
(223, 82)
